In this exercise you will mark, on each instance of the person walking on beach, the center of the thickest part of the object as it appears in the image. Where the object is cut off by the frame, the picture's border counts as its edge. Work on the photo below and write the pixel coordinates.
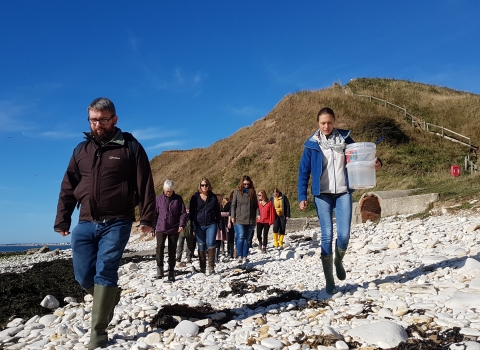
(187, 241)
(171, 219)
(222, 229)
(107, 176)
(265, 219)
(205, 218)
(244, 212)
(230, 231)
(282, 214)
(324, 159)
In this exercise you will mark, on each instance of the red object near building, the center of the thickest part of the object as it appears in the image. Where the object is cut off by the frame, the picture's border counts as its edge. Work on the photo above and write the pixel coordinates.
(455, 170)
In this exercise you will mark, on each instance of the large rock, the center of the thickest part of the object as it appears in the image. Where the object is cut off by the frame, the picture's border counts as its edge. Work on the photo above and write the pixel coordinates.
(50, 302)
(385, 334)
(186, 329)
(464, 301)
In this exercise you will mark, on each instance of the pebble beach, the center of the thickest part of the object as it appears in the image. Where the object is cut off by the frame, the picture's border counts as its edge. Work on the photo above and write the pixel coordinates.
(411, 284)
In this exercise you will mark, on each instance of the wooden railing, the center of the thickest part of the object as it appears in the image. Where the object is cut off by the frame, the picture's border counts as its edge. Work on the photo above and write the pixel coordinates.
(419, 122)
(470, 166)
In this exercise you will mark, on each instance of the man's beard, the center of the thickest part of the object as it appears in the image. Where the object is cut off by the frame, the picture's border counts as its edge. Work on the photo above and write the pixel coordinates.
(105, 137)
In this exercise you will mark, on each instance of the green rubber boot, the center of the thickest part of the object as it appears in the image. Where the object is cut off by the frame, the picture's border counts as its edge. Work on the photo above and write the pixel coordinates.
(339, 254)
(327, 263)
(104, 302)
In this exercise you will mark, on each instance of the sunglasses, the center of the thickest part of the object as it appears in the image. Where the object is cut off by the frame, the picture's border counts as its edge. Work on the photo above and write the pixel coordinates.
(259, 195)
(246, 184)
(203, 185)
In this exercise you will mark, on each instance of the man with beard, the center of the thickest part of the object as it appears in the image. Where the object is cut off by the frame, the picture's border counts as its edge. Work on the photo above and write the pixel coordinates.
(108, 175)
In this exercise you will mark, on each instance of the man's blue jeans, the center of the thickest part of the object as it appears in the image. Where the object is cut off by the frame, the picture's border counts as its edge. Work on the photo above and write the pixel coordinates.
(97, 250)
(341, 204)
(243, 235)
(206, 236)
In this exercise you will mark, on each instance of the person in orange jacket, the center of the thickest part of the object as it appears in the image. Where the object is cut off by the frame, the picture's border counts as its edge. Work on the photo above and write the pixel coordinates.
(265, 220)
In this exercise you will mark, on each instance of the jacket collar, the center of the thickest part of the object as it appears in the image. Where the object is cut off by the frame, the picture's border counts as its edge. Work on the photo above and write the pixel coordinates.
(117, 140)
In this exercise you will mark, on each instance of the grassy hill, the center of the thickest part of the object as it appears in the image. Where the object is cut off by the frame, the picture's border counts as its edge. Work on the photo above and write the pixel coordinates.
(412, 158)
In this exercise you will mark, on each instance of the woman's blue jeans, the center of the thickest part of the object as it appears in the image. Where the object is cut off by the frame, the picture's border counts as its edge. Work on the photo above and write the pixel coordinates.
(206, 236)
(341, 204)
(243, 235)
(97, 249)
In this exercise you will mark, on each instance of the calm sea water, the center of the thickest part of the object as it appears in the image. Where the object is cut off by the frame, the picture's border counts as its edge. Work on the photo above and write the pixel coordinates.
(21, 247)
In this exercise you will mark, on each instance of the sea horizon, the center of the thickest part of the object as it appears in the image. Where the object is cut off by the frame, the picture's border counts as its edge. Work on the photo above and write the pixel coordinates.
(19, 247)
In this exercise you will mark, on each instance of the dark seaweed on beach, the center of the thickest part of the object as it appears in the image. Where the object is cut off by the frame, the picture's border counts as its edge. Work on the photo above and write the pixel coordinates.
(21, 293)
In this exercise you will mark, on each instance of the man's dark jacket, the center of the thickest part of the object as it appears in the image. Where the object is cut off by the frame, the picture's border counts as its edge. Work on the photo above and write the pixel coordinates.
(101, 179)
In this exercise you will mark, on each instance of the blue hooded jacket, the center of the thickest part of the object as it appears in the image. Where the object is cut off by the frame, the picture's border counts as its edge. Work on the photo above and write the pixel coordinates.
(311, 163)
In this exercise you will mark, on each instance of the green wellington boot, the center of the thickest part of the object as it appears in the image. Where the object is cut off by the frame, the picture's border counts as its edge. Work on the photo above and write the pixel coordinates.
(339, 254)
(327, 263)
(104, 302)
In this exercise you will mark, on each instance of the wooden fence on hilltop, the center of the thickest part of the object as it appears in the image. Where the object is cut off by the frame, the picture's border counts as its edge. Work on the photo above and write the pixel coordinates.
(432, 128)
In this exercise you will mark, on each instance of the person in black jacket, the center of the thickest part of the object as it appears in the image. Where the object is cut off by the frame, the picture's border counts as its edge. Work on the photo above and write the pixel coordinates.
(107, 180)
(205, 217)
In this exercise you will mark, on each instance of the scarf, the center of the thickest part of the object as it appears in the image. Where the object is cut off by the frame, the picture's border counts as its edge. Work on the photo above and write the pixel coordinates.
(335, 141)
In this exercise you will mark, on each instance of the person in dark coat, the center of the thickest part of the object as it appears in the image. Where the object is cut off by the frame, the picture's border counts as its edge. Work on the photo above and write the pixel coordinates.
(171, 218)
(205, 217)
(107, 177)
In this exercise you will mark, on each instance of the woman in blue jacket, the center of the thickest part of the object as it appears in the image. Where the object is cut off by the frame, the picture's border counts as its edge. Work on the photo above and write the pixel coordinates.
(324, 159)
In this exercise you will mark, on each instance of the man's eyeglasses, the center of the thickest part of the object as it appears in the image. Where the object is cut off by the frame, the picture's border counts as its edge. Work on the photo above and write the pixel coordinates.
(246, 184)
(101, 121)
(203, 185)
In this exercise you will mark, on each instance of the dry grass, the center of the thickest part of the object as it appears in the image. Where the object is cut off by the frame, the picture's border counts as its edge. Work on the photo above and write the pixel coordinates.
(412, 158)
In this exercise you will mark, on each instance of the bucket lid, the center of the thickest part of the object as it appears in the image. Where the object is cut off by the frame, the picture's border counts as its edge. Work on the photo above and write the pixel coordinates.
(361, 145)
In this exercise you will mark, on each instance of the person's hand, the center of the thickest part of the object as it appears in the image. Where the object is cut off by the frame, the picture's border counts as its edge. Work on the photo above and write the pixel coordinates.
(180, 229)
(152, 233)
(233, 220)
(303, 205)
(145, 229)
(64, 233)
(286, 218)
(378, 164)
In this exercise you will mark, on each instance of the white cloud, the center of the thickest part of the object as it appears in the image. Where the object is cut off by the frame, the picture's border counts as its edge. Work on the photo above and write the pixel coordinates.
(246, 111)
(178, 76)
(153, 133)
(14, 117)
(163, 145)
(57, 135)
(197, 78)
(133, 42)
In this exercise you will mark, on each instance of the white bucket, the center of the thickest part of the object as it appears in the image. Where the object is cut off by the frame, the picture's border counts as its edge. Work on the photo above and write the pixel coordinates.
(360, 152)
(361, 174)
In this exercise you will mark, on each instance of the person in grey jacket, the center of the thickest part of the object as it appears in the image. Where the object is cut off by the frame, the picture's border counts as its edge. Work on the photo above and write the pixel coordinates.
(244, 214)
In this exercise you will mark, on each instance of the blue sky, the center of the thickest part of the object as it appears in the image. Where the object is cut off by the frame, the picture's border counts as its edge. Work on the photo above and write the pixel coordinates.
(184, 74)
